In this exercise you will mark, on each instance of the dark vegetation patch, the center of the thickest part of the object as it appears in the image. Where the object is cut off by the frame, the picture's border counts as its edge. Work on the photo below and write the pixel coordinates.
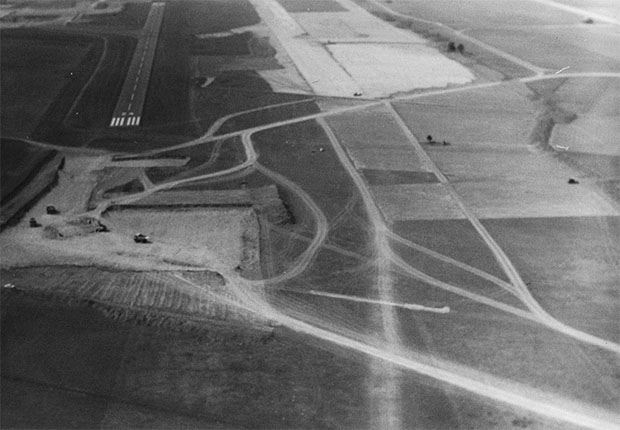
(129, 141)
(167, 106)
(312, 6)
(303, 154)
(454, 238)
(40, 73)
(55, 115)
(295, 152)
(94, 108)
(236, 91)
(260, 47)
(56, 4)
(131, 17)
(28, 173)
(167, 102)
(216, 16)
(206, 158)
(227, 377)
(13, 19)
(508, 347)
(133, 186)
(235, 44)
(395, 177)
(19, 163)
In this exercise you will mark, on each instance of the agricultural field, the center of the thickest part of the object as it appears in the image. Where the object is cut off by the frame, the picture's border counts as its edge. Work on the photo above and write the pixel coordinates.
(529, 181)
(508, 350)
(478, 13)
(329, 216)
(586, 49)
(576, 284)
(373, 141)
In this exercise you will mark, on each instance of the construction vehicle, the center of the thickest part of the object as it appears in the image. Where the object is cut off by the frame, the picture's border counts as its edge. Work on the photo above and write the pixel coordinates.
(141, 238)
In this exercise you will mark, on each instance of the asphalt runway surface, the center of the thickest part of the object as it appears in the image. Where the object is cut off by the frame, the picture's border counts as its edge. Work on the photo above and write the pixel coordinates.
(128, 111)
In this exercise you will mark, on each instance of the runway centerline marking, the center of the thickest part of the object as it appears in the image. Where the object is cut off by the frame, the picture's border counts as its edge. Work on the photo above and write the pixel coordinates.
(135, 87)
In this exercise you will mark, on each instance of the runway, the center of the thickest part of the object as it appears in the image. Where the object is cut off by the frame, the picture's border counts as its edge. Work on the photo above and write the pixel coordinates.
(128, 111)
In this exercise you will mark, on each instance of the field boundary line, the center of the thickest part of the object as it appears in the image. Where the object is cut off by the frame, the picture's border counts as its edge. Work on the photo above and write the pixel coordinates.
(482, 274)
(524, 294)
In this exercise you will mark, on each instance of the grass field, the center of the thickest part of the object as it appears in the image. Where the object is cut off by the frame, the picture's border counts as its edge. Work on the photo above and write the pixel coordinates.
(97, 102)
(38, 70)
(491, 341)
(153, 377)
(293, 151)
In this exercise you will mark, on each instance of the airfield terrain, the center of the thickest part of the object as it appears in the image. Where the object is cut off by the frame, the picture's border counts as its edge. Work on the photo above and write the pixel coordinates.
(398, 214)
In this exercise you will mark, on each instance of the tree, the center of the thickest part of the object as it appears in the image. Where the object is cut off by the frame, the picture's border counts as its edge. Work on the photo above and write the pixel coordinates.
(461, 48)
(451, 47)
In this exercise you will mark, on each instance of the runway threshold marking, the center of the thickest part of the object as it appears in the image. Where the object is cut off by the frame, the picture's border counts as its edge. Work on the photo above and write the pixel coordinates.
(132, 120)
